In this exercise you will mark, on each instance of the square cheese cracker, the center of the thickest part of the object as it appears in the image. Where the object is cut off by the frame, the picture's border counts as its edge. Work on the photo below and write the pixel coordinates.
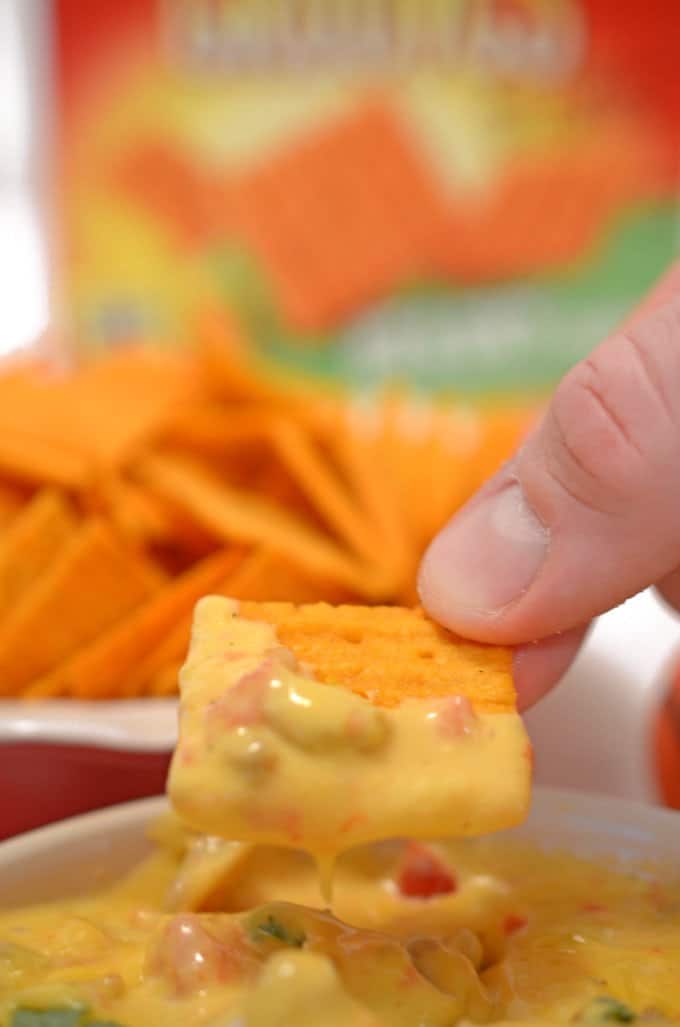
(324, 727)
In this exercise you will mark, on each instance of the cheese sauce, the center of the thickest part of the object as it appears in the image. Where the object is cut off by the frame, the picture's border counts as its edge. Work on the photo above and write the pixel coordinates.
(267, 754)
(214, 933)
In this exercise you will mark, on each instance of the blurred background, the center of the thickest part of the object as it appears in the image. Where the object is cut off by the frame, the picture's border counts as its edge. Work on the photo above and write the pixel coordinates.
(24, 124)
(281, 285)
(473, 189)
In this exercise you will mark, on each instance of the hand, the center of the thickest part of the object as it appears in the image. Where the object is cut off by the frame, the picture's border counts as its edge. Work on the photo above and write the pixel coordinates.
(585, 515)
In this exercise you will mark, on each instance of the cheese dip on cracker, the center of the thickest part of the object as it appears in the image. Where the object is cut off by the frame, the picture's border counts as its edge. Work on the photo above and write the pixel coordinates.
(322, 728)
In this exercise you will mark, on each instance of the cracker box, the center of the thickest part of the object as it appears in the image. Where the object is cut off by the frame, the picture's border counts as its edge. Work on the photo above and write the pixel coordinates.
(454, 193)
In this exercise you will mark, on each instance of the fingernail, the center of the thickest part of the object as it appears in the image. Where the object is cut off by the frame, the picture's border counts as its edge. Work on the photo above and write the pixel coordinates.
(486, 557)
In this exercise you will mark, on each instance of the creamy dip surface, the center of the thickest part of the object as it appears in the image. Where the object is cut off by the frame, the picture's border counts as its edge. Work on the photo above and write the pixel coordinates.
(210, 932)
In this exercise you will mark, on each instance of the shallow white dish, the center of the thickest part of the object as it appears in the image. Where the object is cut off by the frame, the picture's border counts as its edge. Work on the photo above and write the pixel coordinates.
(79, 854)
(139, 725)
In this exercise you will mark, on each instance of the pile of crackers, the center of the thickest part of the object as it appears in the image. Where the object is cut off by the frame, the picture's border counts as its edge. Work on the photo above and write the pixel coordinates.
(149, 478)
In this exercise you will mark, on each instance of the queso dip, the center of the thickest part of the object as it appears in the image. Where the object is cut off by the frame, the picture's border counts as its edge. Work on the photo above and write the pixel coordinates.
(208, 932)
(219, 933)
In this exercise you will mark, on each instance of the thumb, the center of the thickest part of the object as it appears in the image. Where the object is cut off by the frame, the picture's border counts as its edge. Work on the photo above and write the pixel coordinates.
(588, 511)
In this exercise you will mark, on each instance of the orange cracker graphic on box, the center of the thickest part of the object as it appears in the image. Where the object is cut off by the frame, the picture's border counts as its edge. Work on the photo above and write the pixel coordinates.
(462, 193)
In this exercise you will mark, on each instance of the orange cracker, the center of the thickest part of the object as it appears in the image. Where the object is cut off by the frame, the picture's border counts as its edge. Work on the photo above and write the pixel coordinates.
(376, 422)
(388, 654)
(166, 681)
(395, 449)
(38, 460)
(230, 372)
(101, 668)
(31, 543)
(264, 574)
(450, 473)
(356, 456)
(446, 476)
(59, 429)
(272, 483)
(92, 583)
(147, 520)
(325, 489)
(141, 516)
(214, 429)
(236, 515)
(342, 217)
(126, 398)
(169, 651)
(11, 502)
(503, 430)
(395, 728)
(407, 451)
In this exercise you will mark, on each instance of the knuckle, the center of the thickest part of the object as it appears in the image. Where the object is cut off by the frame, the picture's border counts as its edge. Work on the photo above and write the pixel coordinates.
(597, 453)
(655, 350)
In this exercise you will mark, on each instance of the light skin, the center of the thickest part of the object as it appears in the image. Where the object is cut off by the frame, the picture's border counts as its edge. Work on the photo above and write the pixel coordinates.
(585, 515)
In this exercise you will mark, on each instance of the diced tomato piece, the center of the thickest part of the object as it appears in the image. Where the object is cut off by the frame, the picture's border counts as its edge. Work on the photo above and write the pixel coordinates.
(242, 705)
(457, 717)
(513, 923)
(423, 874)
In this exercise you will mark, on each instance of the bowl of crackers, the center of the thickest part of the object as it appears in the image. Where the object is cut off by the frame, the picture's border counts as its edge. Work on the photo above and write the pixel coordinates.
(141, 480)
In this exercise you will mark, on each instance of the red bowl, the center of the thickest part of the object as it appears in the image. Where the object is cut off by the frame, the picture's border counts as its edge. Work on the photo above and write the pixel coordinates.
(41, 783)
(64, 757)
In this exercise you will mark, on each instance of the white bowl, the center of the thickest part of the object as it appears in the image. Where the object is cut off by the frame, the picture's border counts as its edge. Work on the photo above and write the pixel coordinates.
(126, 725)
(79, 854)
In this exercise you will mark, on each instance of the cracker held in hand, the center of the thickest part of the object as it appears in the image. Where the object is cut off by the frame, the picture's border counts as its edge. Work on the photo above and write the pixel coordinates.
(389, 653)
(324, 727)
